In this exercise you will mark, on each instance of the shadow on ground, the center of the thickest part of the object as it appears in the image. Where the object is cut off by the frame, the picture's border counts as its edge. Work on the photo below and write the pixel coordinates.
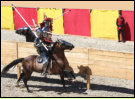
(76, 87)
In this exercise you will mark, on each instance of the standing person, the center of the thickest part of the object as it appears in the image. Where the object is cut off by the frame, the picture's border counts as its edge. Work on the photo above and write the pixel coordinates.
(120, 25)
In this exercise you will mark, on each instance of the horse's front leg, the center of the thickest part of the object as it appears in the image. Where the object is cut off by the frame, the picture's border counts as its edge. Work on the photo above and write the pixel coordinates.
(62, 78)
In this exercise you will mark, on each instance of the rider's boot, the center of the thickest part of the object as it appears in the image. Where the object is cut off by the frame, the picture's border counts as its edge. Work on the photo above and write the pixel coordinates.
(44, 68)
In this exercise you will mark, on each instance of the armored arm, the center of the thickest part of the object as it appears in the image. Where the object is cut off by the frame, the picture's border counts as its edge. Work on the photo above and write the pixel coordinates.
(37, 43)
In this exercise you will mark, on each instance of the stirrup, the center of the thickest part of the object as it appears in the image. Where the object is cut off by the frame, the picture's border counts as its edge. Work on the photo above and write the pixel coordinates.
(39, 59)
(43, 74)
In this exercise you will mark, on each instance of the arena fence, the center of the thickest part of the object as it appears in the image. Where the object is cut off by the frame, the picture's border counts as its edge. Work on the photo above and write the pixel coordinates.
(81, 60)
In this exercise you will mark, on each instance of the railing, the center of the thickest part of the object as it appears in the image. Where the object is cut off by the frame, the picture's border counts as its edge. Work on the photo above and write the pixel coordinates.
(82, 60)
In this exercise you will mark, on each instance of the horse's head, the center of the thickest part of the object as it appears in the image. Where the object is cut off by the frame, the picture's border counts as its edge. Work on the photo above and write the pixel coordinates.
(23, 31)
(65, 45)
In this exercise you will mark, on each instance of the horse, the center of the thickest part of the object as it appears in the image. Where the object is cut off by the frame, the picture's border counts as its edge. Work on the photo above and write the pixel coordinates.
(26, 31)
(30, 63)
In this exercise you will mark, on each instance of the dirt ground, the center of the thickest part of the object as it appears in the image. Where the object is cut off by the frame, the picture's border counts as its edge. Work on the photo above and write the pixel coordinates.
(52, 86)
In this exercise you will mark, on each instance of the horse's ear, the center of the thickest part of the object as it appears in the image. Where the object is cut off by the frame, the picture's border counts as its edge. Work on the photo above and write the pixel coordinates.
(81, 66)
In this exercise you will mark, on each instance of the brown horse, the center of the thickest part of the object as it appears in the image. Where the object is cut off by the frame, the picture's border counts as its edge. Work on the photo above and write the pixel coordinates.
(30, 63)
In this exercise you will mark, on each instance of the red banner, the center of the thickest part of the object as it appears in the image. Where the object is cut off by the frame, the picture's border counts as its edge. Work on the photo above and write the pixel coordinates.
(129, 25)
(27, 13)
(77, 22)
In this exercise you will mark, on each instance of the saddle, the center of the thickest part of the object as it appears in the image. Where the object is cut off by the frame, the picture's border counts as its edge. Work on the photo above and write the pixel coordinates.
(40, 62)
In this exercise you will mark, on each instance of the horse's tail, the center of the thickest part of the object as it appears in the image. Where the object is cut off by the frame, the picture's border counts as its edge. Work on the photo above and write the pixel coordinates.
(6, 68)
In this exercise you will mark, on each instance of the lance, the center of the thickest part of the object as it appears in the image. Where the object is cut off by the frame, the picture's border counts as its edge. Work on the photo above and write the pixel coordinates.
(28, 26)
(62, 14)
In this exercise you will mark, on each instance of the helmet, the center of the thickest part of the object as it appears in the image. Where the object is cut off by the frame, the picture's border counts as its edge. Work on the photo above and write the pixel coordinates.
(45, 19)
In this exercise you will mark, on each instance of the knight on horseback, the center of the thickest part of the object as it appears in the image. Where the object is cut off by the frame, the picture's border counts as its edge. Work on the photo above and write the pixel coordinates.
(45, 37)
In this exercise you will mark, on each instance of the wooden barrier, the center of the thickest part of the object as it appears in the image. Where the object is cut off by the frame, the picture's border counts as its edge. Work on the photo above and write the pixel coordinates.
(82, 60)
(77, 57)
(103, 63)
(26, 49)
(112, 64)
(8, 52)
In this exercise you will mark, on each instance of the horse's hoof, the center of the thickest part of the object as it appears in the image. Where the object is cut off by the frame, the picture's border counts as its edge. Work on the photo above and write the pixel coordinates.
(30, 91)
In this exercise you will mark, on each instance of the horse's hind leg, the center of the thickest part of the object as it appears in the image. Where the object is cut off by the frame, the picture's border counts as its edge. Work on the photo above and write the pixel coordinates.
(25, 83)
(21, 76)
(25, 79)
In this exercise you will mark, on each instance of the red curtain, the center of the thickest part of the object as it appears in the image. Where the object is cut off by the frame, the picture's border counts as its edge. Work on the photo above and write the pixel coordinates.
(77, 22)
(129, 25)
(27, 13)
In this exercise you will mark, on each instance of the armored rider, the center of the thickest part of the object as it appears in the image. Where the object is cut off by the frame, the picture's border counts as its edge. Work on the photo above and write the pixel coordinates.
(46, 39)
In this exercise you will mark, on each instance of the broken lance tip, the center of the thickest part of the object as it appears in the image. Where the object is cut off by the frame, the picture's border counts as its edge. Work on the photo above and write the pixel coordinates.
(13, 7)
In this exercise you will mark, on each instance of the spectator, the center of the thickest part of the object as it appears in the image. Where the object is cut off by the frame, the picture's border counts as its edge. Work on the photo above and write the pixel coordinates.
(120, 25)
